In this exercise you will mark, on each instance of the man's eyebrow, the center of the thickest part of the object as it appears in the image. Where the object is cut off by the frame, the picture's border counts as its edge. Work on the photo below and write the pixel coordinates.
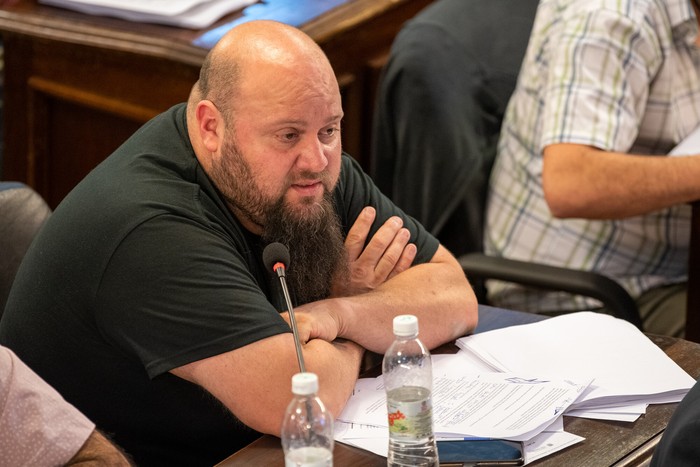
(304, 123)
(335, 118)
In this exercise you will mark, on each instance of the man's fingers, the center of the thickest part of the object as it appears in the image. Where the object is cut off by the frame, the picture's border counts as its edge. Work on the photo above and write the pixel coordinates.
(387, 253)
(381, 242)
(355, 241)
(406, 260)
(392, 254)
(303, 326)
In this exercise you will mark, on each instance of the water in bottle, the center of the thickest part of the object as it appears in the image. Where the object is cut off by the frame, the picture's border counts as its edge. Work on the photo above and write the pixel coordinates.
(307, 430)
(408, 379)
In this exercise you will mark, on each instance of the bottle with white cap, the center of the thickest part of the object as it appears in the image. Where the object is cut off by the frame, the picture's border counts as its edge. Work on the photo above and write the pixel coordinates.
(408, 380)
(307, 429)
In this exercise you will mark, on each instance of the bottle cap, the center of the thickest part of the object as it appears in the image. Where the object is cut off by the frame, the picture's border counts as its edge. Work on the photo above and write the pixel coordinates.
(304, 384)
(405, 325)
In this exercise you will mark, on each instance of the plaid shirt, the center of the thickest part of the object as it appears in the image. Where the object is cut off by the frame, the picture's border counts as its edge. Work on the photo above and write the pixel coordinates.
(620, 75)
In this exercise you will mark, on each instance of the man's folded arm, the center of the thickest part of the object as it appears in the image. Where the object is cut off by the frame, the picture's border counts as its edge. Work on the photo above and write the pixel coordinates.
(437, 292)
(254, 381)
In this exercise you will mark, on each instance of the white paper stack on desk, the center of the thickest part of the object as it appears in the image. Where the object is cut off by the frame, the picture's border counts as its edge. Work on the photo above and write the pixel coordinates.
(583, 364)
(628, 370)
(195, 14)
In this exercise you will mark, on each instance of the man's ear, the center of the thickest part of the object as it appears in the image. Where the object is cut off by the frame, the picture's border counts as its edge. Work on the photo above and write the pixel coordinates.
(210, 124)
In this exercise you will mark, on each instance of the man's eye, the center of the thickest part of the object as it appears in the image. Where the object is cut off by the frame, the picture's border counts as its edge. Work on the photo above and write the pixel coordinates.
(289, 136)
(330, 131)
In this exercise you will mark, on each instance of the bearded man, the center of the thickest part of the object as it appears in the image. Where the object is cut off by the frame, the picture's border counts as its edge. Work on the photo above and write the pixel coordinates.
(144, 300)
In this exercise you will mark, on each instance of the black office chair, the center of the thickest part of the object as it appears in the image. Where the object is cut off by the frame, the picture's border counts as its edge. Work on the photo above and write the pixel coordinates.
(440, 102)
(22, 213)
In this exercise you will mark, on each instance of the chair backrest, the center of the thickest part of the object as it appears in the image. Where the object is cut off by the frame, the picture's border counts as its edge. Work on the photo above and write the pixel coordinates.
(22, 213)
(440, 103)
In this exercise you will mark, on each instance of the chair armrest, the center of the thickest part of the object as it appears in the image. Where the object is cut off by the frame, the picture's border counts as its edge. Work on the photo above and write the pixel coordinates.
(542, 276)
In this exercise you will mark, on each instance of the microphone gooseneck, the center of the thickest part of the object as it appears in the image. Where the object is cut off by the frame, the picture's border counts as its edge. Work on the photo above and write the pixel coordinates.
(276, 259)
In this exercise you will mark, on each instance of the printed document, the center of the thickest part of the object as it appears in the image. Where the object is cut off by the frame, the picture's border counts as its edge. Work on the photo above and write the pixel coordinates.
(626, 366)
(493, 405)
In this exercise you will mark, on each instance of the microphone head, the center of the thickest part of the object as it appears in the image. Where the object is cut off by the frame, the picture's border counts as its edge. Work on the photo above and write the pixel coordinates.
(275, 253)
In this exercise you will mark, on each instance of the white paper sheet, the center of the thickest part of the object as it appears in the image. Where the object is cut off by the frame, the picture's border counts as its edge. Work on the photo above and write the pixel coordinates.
(625, 365)
(492, 405)
(194, 14)
(690, 145)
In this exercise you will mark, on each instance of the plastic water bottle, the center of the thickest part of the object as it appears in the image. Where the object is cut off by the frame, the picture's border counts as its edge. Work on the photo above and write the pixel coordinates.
(408, 379)
(307, 430)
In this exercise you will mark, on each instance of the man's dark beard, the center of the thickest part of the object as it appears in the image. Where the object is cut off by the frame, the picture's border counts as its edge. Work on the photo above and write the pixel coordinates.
(315, 241)
(315, 245)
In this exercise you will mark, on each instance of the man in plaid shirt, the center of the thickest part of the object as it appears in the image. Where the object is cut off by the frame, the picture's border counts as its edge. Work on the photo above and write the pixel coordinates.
(607, 88)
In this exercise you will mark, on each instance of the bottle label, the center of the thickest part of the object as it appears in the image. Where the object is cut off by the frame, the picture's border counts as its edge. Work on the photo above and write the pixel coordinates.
(410, 412)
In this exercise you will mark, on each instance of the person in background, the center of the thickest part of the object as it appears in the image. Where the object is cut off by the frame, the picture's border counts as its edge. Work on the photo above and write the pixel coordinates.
(607, 88)
(144, 299)
(39, 428)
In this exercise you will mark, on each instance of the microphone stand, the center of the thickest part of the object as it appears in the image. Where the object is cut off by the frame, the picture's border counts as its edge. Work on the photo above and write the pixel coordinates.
(279, 269)
(277, 255)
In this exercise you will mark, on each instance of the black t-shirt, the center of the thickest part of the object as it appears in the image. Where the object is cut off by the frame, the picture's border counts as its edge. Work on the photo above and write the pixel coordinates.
(142, 269)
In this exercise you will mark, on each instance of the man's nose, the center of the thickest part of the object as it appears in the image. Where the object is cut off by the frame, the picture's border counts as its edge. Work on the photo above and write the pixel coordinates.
(312, 157)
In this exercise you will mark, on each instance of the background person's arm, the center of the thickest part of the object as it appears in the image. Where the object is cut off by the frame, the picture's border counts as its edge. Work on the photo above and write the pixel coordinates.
(584, 182)
(98, 450)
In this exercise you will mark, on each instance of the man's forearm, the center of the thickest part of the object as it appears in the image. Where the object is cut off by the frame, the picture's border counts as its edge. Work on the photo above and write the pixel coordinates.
(254, 381)
(338, 369)
(437, 293)
(584, 182)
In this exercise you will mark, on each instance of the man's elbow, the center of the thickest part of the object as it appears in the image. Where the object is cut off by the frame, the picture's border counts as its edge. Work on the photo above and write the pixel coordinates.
(471, 314)
(563, 201)
(560, 209)
(463, 316)
(566, 181)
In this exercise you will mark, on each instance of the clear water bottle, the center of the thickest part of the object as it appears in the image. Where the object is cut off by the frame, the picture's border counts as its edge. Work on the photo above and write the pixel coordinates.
(408, 379)
(307, 430)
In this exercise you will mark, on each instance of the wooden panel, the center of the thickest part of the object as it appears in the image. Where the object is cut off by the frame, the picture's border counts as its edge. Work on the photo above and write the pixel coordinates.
(68, 126)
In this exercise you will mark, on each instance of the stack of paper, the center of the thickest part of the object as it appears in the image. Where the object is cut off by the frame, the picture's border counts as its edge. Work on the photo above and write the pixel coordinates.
(628, 370)
(194, 14)
(471, 404)
(469, 400)
(584, 364)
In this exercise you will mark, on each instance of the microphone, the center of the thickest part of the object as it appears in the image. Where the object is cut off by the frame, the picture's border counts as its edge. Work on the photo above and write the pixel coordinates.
(276, 259)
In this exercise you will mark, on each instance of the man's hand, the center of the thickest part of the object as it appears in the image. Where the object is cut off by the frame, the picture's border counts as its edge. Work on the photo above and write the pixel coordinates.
(387, 254)
(315, 320)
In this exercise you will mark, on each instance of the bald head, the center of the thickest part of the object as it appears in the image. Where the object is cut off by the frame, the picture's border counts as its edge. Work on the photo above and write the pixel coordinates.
(249, 51)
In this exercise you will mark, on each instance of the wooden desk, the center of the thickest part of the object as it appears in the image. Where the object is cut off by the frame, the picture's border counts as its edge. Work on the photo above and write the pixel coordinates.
(607, 443)
(76, 86)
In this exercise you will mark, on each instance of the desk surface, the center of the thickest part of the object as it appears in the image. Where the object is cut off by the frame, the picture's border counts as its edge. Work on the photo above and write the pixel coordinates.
(606, 443)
